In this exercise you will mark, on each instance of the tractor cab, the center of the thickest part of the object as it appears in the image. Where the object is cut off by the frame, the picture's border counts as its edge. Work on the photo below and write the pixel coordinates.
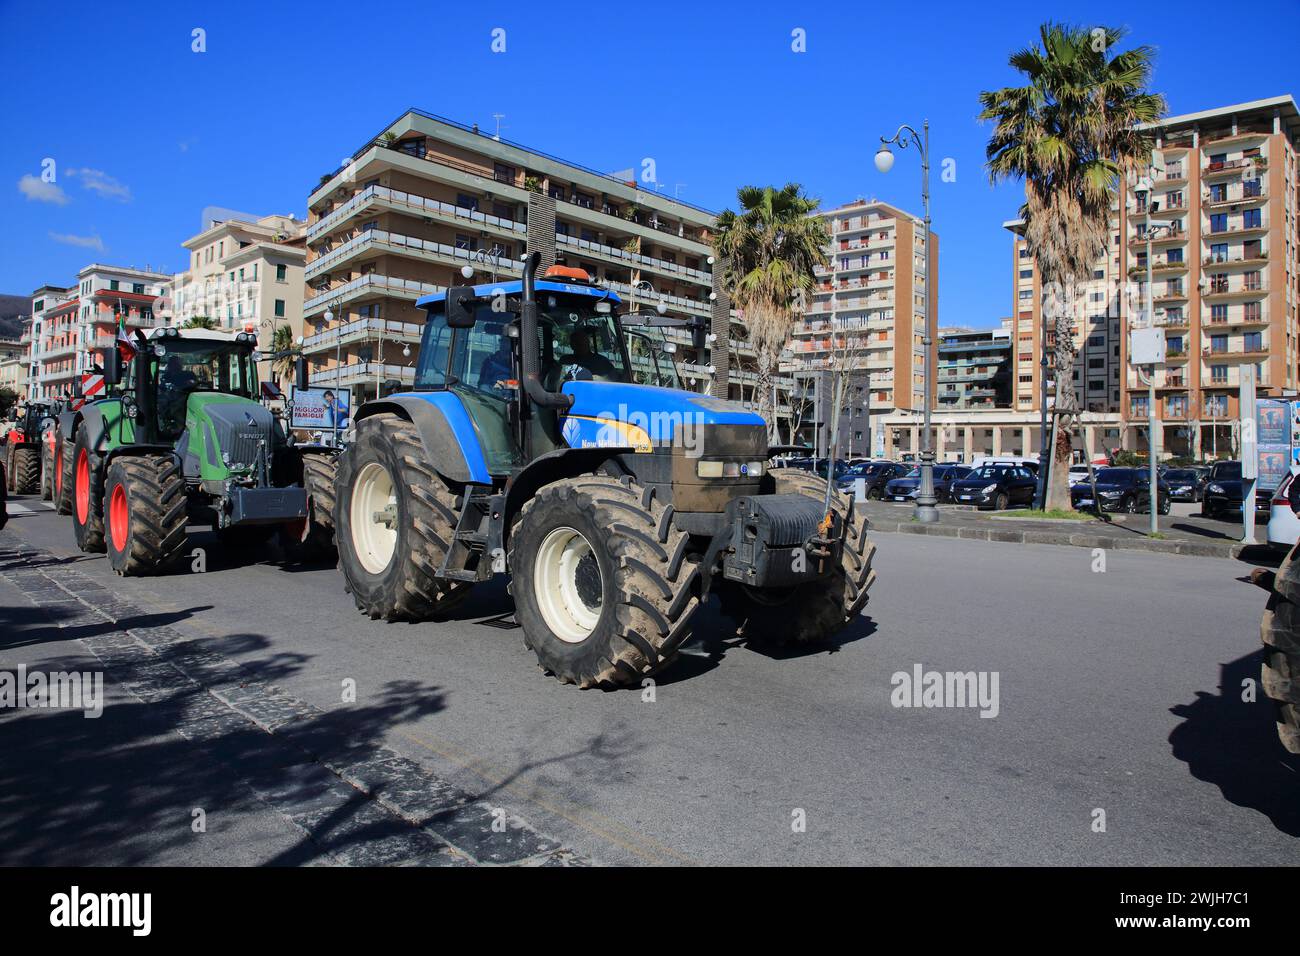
(182, 363)
(579, 339)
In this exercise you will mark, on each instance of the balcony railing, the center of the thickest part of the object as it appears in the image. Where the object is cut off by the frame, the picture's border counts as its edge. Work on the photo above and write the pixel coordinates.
(1228, 259)
(635, 258)
(381, 284)
(361, 330)
(420, 206)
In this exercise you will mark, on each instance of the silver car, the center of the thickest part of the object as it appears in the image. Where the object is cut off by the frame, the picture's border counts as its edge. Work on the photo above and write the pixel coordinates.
(1283, 523)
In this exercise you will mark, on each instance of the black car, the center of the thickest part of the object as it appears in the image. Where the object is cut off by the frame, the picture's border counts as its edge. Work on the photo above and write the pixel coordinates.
(1224, 490)
(1121, 489)
(1184, 484)
(906, 487)
(874, 474)
(995, 486)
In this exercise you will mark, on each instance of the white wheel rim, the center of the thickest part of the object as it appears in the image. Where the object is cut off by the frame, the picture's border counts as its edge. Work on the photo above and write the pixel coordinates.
(374, 538)
(568, 585)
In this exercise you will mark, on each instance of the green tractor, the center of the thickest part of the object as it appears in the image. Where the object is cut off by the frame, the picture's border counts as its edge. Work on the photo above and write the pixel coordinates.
(184, 440)
(528, 447)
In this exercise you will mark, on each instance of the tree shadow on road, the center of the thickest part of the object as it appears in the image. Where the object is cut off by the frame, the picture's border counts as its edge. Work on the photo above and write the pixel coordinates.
(1233, 744)
(121, 789)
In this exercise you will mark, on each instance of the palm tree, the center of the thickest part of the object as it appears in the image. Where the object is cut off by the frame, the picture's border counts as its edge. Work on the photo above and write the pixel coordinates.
(1071, 133)
(282, 345)
(200, 322)
(768, 252)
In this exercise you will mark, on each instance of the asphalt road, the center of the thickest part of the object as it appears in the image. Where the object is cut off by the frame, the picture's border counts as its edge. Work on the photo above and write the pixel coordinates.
(1119, 691)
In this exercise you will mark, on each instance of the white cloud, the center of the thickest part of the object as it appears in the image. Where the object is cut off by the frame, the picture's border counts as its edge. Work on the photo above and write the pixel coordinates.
(85, 242)
(38, 190)
(96, 180)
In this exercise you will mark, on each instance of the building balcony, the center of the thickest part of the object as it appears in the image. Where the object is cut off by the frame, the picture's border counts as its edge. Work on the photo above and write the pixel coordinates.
(634, 259)
(1219, 291)
(1240, 321)
(1236, 259)
(1179, 235)
(362, 330)
(1240, 230)
(1239, 197)
(1174, 295)
(376, 242)
(1233, 167)
(368, 286)
(1233, 355)
(381, 197)
(361, 373)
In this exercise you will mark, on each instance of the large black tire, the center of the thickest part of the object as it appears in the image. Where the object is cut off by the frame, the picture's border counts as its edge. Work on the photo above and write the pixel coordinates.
(63, 482)
(404, 588)
(87, 495)
(47, 471)
(814, 611)
(634, 579)
(27, 470)
(145, 502)
(312, 539)
(1280, 631)
(9, 468)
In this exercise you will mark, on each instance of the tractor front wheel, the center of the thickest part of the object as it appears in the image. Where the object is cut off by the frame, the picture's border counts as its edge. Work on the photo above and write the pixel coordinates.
(87, 495)
(395, 521)
(603, 590)
(146, 515)
(813, 611)
(63, 482)
(27, 470)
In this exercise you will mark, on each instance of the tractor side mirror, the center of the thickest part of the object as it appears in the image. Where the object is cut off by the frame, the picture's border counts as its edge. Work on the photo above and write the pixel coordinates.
(460, 307)
(300, 374)
(112, 366)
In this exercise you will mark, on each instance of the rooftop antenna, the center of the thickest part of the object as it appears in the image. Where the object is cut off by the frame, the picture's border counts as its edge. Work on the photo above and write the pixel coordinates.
(498, 117)
(677, 190)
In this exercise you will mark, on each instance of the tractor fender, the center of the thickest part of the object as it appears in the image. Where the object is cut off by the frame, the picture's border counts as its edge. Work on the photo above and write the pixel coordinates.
(546, 469)
(451, 445)
(93, 419)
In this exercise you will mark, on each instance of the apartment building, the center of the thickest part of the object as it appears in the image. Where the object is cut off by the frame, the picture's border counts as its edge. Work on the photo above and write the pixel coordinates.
(245, 274)
(974, 368)
(13, 366)
(70, 327)
(1220, 205)
(430, 199)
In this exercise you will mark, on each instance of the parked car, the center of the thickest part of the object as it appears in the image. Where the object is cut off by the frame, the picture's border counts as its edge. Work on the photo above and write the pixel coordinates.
(1184, 484)
(1283, 522)
(1077, 474)
(1224, 491)
(1121, 489)
(874, 474)
(905, 488)
(841, 468)
(995, 486)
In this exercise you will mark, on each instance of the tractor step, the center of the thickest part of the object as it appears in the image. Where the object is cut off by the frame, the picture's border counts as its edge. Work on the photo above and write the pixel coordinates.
(469, 543)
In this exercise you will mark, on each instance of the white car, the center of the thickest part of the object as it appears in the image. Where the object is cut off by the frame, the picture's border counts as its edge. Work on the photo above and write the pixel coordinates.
(1283, 523)
(1077, 474)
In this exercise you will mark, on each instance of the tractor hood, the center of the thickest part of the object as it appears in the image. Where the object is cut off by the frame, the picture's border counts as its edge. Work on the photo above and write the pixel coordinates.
(223, 433)
(642, 416)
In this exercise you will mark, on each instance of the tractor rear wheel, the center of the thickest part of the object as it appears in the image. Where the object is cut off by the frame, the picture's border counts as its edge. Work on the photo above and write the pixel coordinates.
(146, 515)
(312, 538)
(816, 610)
(27, 470)
(87, 495)
(603, 590)
(47, 471)
(1280, 631)
(395, 521)
(63, 481)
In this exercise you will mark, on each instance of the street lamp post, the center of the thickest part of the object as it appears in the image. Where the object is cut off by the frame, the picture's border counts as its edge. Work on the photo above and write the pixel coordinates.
(1153, 445)
(926, 512)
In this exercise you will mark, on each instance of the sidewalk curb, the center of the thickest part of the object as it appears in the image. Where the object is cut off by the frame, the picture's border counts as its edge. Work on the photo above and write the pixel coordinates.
(1065, 538)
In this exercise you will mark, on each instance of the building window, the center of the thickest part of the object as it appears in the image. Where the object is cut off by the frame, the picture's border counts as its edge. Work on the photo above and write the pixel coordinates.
(1253, 341)
(281, 272)
(503, 173)
(279, 308)
(112, 285)
(466, 201)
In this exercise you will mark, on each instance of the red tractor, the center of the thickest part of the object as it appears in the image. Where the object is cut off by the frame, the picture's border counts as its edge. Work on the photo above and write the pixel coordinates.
(22, 447)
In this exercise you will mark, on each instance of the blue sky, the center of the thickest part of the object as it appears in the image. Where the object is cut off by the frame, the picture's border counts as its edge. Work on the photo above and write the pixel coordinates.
(145, 132)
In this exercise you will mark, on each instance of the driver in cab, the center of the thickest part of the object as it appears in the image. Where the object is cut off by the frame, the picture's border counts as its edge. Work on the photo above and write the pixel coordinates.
(583, 357)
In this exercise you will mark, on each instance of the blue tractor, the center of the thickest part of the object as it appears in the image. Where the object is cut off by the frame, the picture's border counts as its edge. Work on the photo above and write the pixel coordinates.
(526, 447)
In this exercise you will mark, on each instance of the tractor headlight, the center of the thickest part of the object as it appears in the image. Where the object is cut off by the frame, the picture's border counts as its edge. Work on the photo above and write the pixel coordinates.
(729, 469)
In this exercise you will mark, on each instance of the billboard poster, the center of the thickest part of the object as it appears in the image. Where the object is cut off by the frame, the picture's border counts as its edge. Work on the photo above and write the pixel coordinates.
(322, 409)
(1274, 463)
(1273, 421)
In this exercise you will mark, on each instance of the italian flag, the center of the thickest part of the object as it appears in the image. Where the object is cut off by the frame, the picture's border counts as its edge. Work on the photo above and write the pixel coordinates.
(124, 343)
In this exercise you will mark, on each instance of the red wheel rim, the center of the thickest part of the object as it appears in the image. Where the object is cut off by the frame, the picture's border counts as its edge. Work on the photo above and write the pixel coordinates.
(119, 517)
(83, 488)
(58, 473)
